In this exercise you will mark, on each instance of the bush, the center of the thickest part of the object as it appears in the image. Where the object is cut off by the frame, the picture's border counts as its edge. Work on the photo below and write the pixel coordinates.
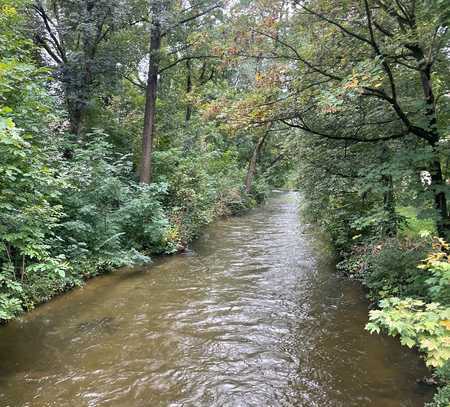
(442, 397)
(201, 188)
(11, 293)
(56, 231)
(425, 325)
(28, 213)
(437, 265)
(425, 322)
(391, 269)
(107, 214)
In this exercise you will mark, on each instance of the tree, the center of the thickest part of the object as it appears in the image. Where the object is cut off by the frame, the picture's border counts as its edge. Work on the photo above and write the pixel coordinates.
(76, 37)
(164, 19)
(405, 41)
(156, 9)
(28, 184)
(369, 70)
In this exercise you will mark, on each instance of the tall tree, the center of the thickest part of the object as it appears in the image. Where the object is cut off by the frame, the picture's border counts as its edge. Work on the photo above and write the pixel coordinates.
(166, 17)
(75, 35)
(156, 10)
(370, 70)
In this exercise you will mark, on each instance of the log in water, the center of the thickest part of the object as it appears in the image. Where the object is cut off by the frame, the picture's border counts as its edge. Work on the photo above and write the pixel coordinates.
(252, 316)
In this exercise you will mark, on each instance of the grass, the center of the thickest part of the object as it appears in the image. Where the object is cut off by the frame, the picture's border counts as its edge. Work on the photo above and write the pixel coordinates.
(415, 227)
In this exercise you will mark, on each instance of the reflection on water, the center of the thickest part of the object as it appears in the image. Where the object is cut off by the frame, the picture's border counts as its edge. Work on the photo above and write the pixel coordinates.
(252, 316)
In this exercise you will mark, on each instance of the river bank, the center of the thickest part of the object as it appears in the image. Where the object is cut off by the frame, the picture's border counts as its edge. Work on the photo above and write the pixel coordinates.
(253, 315)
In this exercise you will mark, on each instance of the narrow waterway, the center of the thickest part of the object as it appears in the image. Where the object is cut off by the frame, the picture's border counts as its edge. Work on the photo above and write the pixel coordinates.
(252, 316)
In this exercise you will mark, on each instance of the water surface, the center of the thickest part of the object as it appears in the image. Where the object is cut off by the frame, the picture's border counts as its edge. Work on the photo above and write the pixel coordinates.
(252, 316)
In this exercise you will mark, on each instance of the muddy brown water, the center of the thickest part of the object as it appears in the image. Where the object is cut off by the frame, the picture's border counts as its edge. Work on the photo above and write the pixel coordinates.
(252, 316)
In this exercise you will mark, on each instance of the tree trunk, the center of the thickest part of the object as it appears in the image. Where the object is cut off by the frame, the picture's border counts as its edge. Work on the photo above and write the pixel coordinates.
(188, 90)
(75, 111)
(437, 179)
(145, 175)
(189, 140)
(440, 199)
(75, 114)
(390, 223)
(251, 172)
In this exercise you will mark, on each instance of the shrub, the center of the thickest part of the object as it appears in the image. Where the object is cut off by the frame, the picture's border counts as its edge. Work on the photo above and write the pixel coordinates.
(442, 397)
(391, 269)
(417, 323)
(437, 266)
(56, 231)
(28, 213)
(424, 323)
(201, 188)
(11, 293)
(107, 214)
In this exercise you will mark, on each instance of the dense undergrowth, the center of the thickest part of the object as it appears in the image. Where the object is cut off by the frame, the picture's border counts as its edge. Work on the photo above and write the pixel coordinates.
(411, 284)
(407, 278)
(71, 205)
(89, 215)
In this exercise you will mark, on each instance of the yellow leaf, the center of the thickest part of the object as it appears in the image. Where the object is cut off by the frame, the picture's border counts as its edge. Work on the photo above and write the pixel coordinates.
(446, 324)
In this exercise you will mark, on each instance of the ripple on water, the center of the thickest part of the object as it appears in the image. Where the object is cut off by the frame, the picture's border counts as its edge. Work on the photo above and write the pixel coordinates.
(252, 316)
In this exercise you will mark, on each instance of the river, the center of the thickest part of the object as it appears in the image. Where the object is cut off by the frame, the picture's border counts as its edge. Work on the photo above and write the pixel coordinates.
(253, 315)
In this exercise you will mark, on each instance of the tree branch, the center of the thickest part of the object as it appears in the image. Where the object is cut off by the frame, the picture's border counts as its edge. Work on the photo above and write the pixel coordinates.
(135, 83)
(378, 52)
(191, 18)
(48, 26)
(41, 41)
(335, 23)
(306, 128)
(186, 58)
(298, 56)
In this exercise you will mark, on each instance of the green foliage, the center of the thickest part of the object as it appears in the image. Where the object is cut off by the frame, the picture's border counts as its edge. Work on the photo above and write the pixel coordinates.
(106, 212)
(439, 282)
(442, 397)
(27, 189)
(204, 187)
(11, 293)
(370, 134)
(143, 219)
(423, 322)
(44, 279)
(417, 323)
(360, 136)
(29, 185)
(391, 270)
(414, 226)
(71, 206)
(437, 264)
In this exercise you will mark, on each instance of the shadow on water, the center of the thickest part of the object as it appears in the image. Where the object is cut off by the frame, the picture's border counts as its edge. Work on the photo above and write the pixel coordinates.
(252, 316)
